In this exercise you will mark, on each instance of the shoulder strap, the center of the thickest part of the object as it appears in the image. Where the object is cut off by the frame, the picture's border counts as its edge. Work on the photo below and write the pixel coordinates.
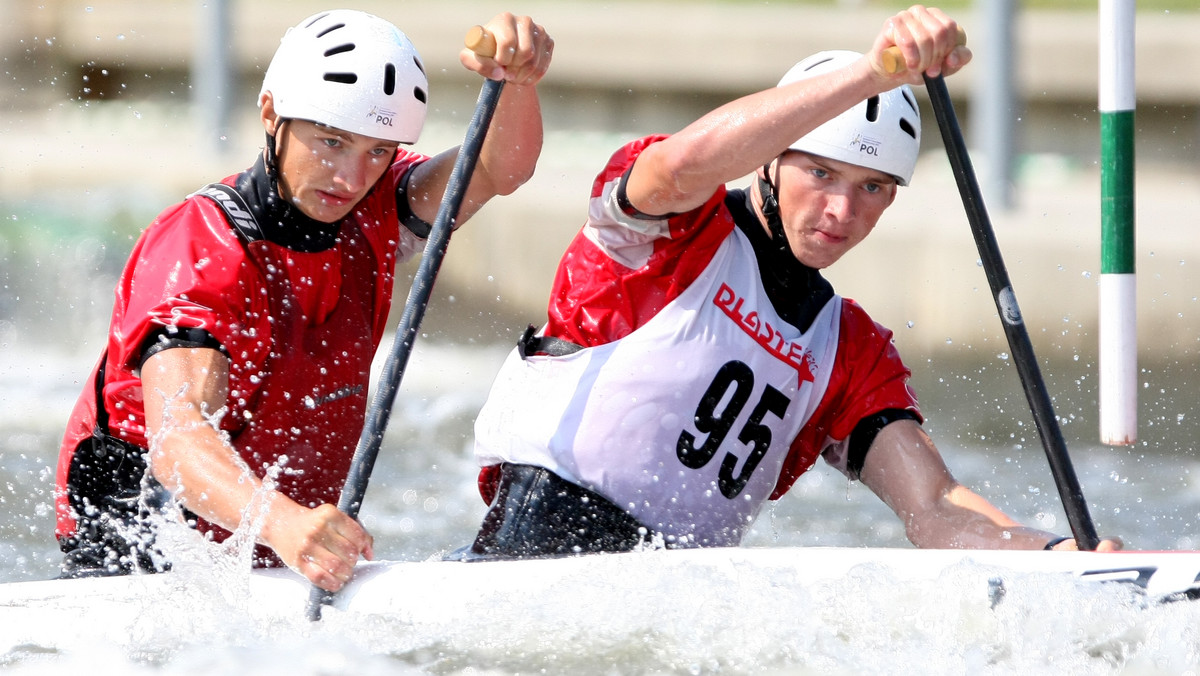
(237, 212)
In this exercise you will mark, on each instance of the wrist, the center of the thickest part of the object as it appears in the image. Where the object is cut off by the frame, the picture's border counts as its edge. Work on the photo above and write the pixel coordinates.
(276, 515)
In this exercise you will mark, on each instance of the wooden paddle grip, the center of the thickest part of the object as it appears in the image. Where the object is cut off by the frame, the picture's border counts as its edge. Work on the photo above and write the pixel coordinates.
(893, 58)
(481, 42)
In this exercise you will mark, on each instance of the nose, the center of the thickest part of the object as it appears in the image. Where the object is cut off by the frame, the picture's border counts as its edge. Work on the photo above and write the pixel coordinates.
(839, 204)
(351, 173)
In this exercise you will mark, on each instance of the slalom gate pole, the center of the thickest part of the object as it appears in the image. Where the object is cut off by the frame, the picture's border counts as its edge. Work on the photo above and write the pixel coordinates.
(1118, 278)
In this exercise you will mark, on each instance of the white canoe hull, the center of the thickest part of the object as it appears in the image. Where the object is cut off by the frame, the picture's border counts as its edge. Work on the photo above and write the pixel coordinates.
(436, 593)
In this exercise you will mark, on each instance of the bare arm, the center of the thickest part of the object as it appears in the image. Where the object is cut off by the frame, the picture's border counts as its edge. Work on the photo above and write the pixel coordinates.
(905, 469)
(183, 388)
(514, 140)
(732, 141)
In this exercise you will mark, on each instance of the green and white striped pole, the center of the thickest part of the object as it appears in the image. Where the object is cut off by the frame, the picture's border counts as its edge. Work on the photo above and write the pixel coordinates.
(1118, 280)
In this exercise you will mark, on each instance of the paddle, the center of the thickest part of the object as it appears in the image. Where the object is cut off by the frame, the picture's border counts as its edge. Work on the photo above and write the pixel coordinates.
(1010, 314)
(482, 43)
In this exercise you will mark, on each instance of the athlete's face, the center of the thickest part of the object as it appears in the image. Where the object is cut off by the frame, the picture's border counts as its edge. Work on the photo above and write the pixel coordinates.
(325, 171)
(828, 206)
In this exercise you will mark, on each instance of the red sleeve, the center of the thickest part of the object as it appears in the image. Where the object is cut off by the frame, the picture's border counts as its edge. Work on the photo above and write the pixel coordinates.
(620, 271)
(868, 377)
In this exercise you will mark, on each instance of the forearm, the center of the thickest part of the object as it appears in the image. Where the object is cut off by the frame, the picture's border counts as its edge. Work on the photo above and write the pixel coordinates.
(506, 160)
(684, 170)
(206, 476)
(514, 141)
(904, 468)
(520, 58)
(184, 391)
(209, 479)
(739, 137)
(964, 520)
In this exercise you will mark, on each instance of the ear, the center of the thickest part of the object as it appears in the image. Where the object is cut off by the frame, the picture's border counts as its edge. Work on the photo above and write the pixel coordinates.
(266, 113)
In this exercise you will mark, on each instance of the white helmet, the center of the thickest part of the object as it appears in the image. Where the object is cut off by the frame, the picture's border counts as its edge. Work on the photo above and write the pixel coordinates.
(350, 70)
(882, 133)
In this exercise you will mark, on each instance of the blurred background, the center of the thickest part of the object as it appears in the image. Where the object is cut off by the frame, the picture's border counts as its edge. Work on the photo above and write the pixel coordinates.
(114, 109)
(111, 110)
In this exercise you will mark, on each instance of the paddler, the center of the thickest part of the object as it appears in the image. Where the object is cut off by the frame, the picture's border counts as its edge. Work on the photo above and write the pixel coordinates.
(232, 389)
(695, 362)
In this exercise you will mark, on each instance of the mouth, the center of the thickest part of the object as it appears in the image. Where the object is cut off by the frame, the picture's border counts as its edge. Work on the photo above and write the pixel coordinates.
(335, 199)
(829, 237)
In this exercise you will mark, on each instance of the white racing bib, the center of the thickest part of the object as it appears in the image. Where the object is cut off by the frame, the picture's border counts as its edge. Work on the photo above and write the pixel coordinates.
(686, 422)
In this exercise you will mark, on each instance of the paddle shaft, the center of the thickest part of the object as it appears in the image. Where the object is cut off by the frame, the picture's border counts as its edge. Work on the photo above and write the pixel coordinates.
(1010, 315)
(380, 411)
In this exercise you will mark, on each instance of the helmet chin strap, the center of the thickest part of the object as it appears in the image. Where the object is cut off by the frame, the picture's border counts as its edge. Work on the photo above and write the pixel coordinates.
(770, 209)
(274, 174)
(272, 159)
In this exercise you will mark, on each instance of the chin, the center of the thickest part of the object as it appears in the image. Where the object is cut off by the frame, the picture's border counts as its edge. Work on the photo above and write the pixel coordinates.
(334, 219)
(323, 213)
(819, 263)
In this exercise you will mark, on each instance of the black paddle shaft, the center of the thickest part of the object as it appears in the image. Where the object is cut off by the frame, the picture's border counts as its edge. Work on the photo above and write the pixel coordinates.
(410, 321)
(1010, 315)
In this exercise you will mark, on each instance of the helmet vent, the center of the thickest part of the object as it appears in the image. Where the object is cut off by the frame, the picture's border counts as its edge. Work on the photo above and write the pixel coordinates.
(419, 94)
(907, 128)
(420, 66)
(314, 19)
(819, 63)
(331, 29)
(389, 79)
(908, 97)
(344, 78)
(873, 109)
(340, 49)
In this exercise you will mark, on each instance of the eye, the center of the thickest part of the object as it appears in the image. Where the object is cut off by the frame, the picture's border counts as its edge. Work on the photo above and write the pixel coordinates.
(819, 172)
(873, 188)
(381, 152)
(331, 142)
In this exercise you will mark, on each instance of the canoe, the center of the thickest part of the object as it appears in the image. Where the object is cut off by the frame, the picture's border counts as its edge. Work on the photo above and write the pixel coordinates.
(737, 610)
(44, 613)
